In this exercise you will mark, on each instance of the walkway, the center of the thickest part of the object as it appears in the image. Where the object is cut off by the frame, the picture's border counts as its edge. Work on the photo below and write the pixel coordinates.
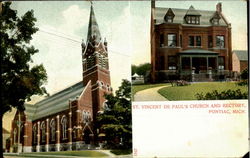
(150, 94)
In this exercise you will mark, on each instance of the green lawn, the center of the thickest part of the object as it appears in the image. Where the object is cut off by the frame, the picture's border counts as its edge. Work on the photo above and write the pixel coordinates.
(84, 153)
(188, 92)
(137, 88)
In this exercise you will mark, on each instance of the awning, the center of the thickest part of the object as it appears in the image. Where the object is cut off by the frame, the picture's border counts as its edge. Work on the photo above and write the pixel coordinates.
(197, 52)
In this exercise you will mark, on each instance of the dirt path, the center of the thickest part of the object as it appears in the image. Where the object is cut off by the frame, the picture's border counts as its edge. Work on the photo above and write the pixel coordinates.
(150, 94)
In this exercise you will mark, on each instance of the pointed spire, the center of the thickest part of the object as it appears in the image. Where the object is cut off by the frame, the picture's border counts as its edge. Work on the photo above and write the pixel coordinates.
(94, 34)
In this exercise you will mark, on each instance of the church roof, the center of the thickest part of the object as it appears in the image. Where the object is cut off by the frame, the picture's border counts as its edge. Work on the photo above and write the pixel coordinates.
(54, 103)
(93, 29)
(205, 16)
(5, 131)
(241, 54)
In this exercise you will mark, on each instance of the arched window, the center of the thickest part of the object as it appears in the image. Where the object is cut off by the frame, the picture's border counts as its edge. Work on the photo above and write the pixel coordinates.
(34, 134)
(86, 117)
(14, 135)
(64, 127)
(53, 129)
(43, 131)
(74, 133)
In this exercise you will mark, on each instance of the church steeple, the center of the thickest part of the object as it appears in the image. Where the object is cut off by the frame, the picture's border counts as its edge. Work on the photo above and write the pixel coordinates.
(94, 52)
(96, 64)
(94, 34)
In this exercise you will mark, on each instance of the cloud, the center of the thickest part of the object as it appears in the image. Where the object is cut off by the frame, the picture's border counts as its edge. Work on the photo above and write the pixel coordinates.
(120, 32)
(119, 39)
(60, 47)
(74, 19)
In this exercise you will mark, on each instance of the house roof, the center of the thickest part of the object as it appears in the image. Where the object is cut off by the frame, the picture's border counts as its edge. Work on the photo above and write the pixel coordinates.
(241, 54)
(205, 16)
(192, 11)
(54, 103)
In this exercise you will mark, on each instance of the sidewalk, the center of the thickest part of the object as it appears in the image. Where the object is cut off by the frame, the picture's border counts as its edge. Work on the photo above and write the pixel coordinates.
(150, 94)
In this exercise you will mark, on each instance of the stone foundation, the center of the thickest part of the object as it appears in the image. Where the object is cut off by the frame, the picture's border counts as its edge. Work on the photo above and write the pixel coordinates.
(27, 149)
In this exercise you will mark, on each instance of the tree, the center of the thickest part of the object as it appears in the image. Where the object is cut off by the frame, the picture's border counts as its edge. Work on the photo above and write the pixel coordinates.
(133, 69)
(19, 81)
(116, 119)
(143, 69)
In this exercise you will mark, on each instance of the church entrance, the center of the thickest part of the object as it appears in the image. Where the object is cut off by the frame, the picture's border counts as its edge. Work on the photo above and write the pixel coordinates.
(86, 137)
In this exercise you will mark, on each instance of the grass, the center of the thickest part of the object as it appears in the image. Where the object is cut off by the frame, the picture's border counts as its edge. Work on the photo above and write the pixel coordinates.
(84, 153)
(188, 92)
(121, 152)
(137, 88)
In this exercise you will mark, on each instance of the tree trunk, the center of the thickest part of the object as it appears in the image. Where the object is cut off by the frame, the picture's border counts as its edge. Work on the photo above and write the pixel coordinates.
(1, 136)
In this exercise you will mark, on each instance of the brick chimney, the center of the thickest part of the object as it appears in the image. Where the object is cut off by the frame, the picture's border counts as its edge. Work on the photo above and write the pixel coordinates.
(218, 8)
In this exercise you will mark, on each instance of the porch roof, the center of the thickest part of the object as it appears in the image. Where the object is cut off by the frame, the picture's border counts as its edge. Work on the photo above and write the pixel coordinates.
(197, 52)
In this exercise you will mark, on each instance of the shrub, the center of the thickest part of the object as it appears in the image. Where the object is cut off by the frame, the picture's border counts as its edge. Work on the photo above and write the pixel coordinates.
(244, 74)
(182, 83)
(121, 152)
(224, 95)
(242, 83)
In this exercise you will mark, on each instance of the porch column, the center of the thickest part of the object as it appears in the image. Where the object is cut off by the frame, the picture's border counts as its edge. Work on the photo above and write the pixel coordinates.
(47, 136)
(217, 63)
(38, 137)
(57, 133)
(180, 64)
(191, 63)
(207, 63)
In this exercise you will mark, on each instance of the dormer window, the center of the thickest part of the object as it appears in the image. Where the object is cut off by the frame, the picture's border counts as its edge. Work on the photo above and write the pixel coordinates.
(169, 17)
(215, 19)
(192, 19)
(192, 16)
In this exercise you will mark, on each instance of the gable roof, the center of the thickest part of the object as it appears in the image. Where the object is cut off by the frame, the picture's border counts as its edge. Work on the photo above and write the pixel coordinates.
(192, 11)
(241, 54)
(54, 103)
(170, 12)
(205, 16)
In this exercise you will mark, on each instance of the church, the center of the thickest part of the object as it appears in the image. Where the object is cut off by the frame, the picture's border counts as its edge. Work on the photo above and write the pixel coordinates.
(66, 119)
(190, 44)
